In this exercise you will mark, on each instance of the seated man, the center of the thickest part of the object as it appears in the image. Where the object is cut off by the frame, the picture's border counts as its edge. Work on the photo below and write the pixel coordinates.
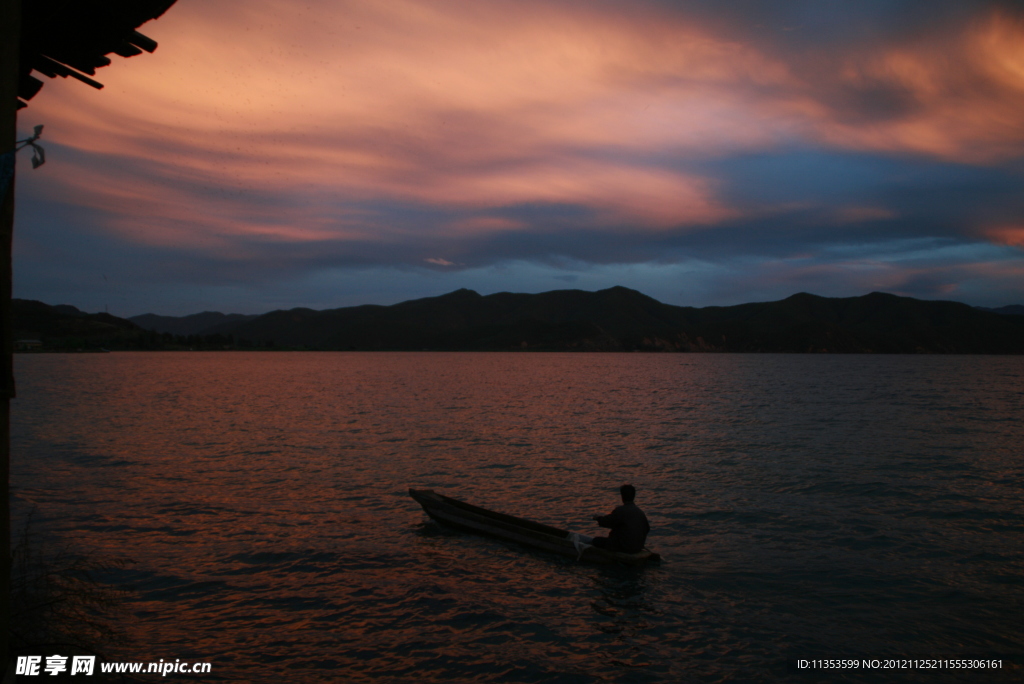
(628, 525)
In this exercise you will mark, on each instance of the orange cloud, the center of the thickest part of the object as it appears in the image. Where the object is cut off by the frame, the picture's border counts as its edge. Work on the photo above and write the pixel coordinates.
(484, 224)
(475, 106)
(1006, 235)
(964, 95)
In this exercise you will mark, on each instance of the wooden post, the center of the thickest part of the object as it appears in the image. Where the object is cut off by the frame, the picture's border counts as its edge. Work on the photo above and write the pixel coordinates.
(10, 30)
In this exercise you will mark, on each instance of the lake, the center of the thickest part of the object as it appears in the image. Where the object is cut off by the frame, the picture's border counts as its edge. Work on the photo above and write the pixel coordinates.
(805, 506)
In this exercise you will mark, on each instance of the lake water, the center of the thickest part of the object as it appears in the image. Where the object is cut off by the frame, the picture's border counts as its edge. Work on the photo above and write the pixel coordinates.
(806, 507)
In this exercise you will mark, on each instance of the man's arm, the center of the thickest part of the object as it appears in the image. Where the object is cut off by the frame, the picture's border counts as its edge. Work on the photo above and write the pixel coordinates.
(611, 520)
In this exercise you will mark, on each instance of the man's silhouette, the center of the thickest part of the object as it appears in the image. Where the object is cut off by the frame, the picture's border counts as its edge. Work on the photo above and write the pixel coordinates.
(628, 525)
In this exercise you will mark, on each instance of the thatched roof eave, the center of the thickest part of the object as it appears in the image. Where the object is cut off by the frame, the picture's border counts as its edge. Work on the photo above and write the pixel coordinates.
(72, 38)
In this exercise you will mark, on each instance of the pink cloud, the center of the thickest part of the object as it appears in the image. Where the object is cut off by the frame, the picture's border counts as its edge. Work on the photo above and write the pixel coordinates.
(476, 106)
(483, 224)
(965, 92)
(1006, 235)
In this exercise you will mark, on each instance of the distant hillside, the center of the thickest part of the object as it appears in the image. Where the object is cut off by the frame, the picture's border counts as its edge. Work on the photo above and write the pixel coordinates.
(196, 324)
(616, 319)
(1011, 310)
(41, 327)
(64, 326)
(620, 319)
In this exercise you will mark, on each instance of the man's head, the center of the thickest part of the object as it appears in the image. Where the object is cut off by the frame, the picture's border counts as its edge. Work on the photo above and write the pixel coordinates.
(628, 493)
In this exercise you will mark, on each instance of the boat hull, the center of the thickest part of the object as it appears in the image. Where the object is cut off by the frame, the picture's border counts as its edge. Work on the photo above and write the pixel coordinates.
(461, 515)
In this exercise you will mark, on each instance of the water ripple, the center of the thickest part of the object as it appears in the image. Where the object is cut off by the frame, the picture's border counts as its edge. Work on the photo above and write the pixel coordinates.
(805, 507)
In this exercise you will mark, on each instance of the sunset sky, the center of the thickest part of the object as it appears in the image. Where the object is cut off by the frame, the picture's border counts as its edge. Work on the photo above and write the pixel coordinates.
(328, 153)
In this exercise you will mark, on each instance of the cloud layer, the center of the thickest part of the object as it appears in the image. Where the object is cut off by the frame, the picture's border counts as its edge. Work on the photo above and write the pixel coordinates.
(265, 145)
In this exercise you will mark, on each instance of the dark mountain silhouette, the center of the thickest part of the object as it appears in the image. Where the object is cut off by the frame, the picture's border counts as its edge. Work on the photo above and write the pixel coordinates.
(1011, 310)
(196, 324)
(41, 327)
(616, 319)
(620, 319)
(64, 326)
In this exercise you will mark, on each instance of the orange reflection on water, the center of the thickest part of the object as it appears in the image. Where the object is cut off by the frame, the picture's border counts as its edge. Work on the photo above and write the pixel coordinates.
(264, 498)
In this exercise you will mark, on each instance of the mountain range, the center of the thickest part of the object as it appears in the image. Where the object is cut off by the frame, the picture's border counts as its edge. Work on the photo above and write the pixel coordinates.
(616, 319)
(195, 324)
(1011, 310)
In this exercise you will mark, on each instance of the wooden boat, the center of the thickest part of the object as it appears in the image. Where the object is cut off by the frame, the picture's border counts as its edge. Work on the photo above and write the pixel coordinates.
(465, 516)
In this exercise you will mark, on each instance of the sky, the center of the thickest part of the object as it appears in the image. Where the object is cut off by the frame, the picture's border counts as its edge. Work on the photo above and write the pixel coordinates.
(329, 153)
